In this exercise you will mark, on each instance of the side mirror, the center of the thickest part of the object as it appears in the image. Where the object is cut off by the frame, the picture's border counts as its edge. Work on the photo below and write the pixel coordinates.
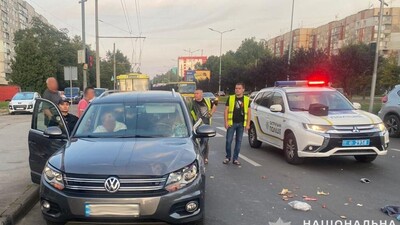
(276, 108)
(357, 105)
(53, 132)
(205, 131)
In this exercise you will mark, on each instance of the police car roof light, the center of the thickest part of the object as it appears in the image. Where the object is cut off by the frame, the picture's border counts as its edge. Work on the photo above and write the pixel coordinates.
(291, 83)
(316, 83)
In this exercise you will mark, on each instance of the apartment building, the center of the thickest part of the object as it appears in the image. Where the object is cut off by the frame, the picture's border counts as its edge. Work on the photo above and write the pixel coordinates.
(15, 15)
(361, 27)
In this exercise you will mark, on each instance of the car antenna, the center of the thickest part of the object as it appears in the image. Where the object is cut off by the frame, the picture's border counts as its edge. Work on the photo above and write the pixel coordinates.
(173, 92)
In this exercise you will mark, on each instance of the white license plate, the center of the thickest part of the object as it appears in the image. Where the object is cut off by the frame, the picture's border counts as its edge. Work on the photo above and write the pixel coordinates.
(361, 142)
(104, 210)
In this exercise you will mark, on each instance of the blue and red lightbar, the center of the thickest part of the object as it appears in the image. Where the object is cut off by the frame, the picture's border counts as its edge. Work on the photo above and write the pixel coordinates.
(300, 83)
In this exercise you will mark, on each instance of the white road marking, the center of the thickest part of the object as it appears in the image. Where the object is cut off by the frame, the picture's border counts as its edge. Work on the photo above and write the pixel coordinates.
(249, 160)
(395, 149)
(218, 135)
(223, 128)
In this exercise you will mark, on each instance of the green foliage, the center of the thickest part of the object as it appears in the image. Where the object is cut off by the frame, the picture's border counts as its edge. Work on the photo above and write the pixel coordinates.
(107, 68)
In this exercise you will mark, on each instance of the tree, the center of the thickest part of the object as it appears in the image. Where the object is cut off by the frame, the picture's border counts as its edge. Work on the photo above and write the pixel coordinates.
(388, 74)
(107, 68)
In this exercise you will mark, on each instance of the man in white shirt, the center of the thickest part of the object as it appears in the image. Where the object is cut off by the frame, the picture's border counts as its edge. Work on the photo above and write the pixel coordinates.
(109, 124)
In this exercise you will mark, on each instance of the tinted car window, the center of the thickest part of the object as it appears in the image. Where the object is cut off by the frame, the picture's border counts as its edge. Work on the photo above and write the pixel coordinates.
(150, 119)
(266, 99)
(47, 116)
(301, 101)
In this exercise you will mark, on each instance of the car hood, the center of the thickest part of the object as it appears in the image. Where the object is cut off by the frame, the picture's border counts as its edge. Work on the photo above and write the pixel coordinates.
(21, 102)
(149, 157)
(348, 117)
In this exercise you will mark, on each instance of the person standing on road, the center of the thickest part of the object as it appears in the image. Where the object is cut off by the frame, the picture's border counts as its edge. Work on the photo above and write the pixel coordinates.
(51, 93)
(202, 108)
(237, 118)
(84, 102)
(70, 119)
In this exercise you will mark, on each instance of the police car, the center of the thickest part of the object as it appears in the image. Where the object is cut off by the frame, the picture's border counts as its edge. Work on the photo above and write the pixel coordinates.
(310, 119)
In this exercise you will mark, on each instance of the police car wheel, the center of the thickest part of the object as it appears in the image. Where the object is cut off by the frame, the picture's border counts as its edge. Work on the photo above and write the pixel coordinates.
(290, 150)
(254, 143)
(392, 123)
(365, 158)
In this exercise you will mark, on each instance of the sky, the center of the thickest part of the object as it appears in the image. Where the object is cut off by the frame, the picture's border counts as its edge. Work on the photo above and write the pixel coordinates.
(172, 26)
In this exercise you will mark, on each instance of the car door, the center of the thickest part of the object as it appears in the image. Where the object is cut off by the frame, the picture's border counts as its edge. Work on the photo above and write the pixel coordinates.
(275, 120)
(260, 111)
(41, 146)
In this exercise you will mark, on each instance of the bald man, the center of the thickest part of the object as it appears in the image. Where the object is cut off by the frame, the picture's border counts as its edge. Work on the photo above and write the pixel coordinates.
(51, 93)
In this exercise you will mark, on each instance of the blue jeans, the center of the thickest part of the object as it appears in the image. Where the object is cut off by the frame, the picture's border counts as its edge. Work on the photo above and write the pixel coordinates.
(238, 128)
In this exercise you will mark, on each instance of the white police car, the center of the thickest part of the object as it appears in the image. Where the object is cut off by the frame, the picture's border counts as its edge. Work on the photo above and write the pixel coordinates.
(309, 119)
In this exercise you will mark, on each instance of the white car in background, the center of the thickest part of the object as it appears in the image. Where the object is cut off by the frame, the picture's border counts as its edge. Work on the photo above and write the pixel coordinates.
(23, 102)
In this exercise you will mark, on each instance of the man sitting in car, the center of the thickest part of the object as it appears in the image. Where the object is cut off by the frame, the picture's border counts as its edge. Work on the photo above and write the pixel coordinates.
(109, 124)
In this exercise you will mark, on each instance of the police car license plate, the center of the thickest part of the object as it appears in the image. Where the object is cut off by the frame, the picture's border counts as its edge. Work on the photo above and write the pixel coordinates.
(361, 142)
(126, 210)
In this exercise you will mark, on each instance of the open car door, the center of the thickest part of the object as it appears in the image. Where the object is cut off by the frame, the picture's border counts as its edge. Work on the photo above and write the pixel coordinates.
(42, 145)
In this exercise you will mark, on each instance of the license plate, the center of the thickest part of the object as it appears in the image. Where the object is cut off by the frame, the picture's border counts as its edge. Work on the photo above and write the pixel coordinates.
(361, 142)
(126, 210)
(19, 108)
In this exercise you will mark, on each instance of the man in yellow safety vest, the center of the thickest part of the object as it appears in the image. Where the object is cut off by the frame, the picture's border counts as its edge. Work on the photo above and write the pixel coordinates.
(202, 108)
(237, 118)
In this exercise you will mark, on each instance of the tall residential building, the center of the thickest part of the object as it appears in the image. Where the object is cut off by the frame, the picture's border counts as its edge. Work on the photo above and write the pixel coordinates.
(15, 15)
(361, 27)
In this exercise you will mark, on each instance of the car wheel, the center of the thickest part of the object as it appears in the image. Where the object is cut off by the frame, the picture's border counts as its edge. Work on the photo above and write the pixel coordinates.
(254, 143)
(365, 158)
(290, 150)
(392, 123)
(53, 223)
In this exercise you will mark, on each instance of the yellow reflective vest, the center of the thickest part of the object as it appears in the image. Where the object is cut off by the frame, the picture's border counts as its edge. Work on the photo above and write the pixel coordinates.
(231, 107)
(193, 113)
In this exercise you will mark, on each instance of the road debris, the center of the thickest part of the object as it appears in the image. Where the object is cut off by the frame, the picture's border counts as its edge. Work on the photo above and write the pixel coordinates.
(285, 191)
(306, 198)
(360, 205)
(393, 211)
(322, 193)
(212, 177)
(343, 217)
(365, 180)
(264, 177)
(298, 205)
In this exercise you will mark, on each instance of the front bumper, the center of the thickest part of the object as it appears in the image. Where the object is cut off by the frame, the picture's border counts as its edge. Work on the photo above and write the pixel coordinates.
(20, 108)
(168, 208)
(325, 145)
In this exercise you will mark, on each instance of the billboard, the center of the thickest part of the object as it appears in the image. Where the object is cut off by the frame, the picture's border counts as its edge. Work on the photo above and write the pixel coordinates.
(190, 75)
(202, 75)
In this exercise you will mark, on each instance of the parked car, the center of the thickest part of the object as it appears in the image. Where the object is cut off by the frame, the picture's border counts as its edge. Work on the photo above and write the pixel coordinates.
(74, 94)
(390, 111)
(211, 96)
(23, 102)
(221, 93)
(132, 157)
(99, 91)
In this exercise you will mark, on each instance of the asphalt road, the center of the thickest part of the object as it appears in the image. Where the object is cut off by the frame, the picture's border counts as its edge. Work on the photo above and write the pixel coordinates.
(248, 194)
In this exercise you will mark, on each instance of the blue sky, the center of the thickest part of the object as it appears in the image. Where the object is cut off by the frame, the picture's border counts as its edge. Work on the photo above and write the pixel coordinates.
(170, 26)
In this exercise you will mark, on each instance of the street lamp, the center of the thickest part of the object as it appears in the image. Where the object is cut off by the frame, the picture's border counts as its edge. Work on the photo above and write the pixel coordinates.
(191, 52)
(291, 38)
(220, 53)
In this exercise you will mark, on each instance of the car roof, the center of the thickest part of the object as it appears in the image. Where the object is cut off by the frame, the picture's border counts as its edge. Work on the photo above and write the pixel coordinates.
(134, 96)
(300, 89)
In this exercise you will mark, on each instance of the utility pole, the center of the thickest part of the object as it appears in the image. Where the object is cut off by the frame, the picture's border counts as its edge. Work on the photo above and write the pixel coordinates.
(97, 44)
(84, 44)
(290, 40)
(374, 74)
(220, 54)
(115, 68)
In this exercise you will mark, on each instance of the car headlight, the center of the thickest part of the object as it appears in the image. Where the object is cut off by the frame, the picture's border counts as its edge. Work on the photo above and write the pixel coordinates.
(182, 177)
(380, 126)
(317, 128)
(53, 177)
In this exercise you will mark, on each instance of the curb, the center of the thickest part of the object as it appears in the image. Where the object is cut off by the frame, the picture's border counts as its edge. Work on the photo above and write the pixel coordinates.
(21, 206)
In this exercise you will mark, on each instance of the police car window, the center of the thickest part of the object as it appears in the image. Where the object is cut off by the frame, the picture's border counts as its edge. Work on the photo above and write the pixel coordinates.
(266, 99)
(277, 99)
(259, 98)
(301, 101)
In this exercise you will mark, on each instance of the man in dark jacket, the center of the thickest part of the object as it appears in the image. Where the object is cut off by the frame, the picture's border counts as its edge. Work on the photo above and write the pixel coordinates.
(70, 119)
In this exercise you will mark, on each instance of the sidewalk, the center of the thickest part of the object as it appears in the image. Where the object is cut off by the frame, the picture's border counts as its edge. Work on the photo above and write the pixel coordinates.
(17, 192)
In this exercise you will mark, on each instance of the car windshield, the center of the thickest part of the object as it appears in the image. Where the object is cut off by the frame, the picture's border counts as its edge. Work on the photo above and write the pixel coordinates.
(146, 120)
(187, 88)
(23, 96)
(98, 92)
(208, 95)
(301, 101)
(75, 91)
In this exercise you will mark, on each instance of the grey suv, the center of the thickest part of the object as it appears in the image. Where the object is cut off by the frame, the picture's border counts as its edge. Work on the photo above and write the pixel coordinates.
(133, 157)
(390, 111)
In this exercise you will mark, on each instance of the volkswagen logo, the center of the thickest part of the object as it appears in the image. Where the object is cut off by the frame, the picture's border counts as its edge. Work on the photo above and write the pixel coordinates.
(356, 130)
(112, 184)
